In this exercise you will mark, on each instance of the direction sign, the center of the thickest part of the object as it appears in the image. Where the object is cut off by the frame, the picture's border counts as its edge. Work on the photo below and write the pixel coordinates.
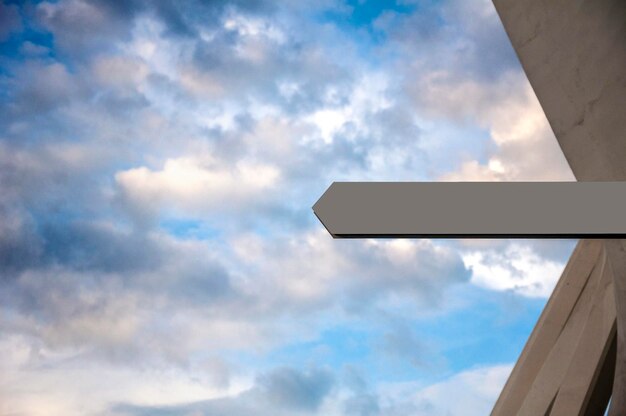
(474, 209)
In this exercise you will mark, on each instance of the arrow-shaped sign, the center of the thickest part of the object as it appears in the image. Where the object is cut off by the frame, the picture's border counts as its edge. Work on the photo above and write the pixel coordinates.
(474, 209)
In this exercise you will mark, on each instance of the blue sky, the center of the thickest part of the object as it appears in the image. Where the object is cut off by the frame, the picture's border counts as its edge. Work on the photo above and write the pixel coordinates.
(158, 164)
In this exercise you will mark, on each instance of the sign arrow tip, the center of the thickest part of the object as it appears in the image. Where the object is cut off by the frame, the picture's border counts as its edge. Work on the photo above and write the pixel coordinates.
(319, 211)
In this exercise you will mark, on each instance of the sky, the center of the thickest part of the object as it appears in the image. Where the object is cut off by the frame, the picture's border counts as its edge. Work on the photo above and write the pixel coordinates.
(158, 165)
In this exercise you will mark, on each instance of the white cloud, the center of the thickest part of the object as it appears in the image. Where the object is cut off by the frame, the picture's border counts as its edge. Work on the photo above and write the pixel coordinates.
(197, 184)
(516, 268)
(328, 122)
(65, 385)
(254, 27)
(368, 96)
(525, 147)
(312, 271)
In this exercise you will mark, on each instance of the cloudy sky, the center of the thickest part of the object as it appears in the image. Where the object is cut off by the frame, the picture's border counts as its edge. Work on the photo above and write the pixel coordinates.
(158, 164)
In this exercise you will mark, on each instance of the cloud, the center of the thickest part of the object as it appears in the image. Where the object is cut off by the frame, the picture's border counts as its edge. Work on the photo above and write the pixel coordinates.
(194, 184)
(517, 127)
(82, 28)
(108, 292)
(517, 268)
(293, 389)
(283, 391)
(42, 87)
(463, 71)
(120, 70)
(401, 344)
(362, 405)
(37, 381)
(312, 270)
(20, 245)
(474, 392)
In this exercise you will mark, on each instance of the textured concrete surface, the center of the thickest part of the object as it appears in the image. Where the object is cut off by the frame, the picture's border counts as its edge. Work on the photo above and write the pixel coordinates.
(574, 55)
(594, 343)
(549, 326)
(617, 255)
(576, 322)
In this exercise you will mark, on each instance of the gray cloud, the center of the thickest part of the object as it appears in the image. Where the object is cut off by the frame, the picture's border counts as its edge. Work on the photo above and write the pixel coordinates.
(362, 405)
(401, 344)
(82, 28)
(20, 246)
(456, 35)
(294, 389)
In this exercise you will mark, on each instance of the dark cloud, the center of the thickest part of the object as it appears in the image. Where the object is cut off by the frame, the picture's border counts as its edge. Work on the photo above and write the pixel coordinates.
(87, 246)
(83, 28)
(290, 388)
(41, 87)
(20, 245)
(47, 102)
(235, 65)
(173, 18)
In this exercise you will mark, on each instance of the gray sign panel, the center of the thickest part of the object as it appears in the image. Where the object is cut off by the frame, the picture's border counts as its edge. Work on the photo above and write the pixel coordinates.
(474, 209)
